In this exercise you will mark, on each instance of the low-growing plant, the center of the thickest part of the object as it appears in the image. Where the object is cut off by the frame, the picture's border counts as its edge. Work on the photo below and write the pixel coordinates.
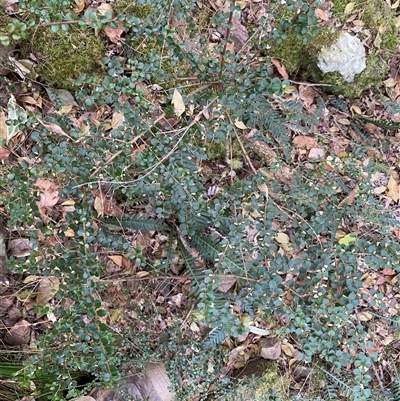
(297, 247)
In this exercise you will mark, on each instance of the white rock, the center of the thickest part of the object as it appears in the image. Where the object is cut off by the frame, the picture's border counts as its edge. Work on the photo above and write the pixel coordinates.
(346, 56)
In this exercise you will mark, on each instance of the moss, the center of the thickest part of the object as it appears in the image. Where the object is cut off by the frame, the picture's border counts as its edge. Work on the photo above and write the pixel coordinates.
(299, 57)
(218, 151)
(295, 55)
(375, 13)
(372, 76)
(290, 53)
(129, 7)
(203, 18)
(271, 380)
(67, 55)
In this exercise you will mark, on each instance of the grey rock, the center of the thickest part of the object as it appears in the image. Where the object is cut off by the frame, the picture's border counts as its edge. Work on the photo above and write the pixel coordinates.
(346, 56)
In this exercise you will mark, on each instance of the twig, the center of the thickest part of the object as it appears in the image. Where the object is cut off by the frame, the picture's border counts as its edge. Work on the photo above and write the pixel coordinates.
(307, 83)
(228, 34)
(149, 170)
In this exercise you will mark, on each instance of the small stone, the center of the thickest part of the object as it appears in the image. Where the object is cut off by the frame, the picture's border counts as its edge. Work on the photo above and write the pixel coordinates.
(346, 56)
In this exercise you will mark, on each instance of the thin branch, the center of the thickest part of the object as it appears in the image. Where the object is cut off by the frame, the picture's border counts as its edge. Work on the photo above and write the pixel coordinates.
(228, 34)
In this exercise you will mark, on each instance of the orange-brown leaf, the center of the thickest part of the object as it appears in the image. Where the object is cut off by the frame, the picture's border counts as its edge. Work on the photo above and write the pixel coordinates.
(303, 141)
(48, 194)
(393, 189)
(114, 34)
(321, 14)
(281, 68)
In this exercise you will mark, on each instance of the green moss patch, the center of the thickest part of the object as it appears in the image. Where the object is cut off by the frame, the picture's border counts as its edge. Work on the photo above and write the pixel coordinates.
(67, 55)
(378, 20)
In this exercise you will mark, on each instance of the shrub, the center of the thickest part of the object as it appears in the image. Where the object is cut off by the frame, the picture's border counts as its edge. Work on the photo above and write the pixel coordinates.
(295, 271)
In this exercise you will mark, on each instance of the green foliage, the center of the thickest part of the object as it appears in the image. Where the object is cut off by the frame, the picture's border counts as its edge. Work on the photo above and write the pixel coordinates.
(313, 285)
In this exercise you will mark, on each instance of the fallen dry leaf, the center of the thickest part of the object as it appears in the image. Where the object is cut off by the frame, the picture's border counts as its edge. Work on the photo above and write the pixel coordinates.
(227, 281)
(47, 288)
(52, 127)
(240, 124)
(281, 68)
(20, 247)
(177, 102)
(272, 352)
(19, 334)
(117, 119)
(80, 5)
(4, 154)
(388, 272)
(288, 349)
(137, 150)
(321, 14)
(307, 142)
(393, 189)
(48, 195)
(307, 95)
(349, 8)
(114, 34)
(98, 206)
(104, 205)
(316, 153)
(364, 316)
(239, 34)
(104, 8)
(120, 261)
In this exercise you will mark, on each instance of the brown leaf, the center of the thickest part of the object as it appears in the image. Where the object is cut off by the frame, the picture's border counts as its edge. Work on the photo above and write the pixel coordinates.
(388, 272)
(80, 5)
(120, 261)
(321, 14)
(19, 334)
(307, 95)
(281, 68)
(393, 189)
(20, 247)
(137, 150)
(56, 129)
(316, 153)
(4, 154)
(48, 196)
(117, 119)
(288, 349)
(307, 142)
(239, 34)
(349, 199)
(272, 352)
(48, 287)
(6, 303)
(227, 282)
(105, 205)
(98, 206)
(114, 34)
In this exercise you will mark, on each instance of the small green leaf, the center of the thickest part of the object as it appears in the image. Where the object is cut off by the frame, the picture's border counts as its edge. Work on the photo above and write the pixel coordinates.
(4, 40)
(348, 239)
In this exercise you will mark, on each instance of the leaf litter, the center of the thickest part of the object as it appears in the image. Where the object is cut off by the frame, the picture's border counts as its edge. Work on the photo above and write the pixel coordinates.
(335, 131)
